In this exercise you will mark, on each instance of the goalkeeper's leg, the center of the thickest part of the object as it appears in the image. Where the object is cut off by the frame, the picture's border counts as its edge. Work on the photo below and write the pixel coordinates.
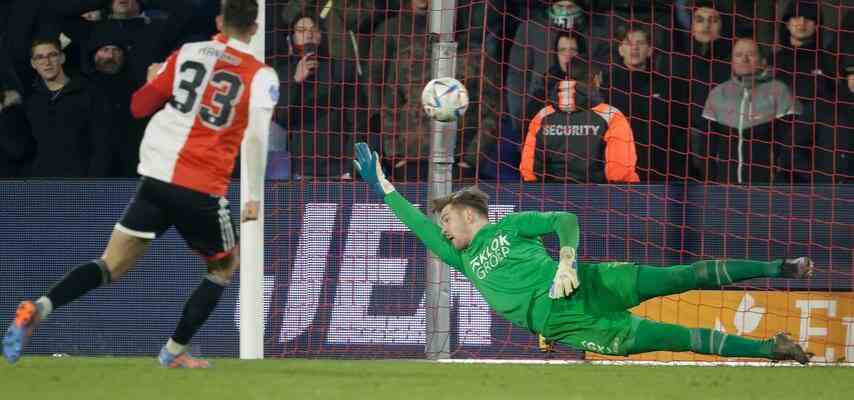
(657, 281)
(657, 336)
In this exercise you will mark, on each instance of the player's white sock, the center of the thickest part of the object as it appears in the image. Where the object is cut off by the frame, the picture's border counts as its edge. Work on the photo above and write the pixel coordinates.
(45, 307)
(175, 348)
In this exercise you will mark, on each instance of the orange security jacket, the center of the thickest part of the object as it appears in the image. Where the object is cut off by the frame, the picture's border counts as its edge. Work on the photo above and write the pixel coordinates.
(583, 145)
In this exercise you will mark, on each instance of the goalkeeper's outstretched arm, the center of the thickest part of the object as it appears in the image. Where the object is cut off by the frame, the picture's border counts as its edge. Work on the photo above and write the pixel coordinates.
(368, 165)
(536, 224)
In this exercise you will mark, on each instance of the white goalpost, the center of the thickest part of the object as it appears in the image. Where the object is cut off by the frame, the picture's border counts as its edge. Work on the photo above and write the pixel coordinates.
(252, 248)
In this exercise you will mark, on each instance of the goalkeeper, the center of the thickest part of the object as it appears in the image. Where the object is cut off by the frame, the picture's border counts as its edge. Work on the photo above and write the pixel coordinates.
(583, 305)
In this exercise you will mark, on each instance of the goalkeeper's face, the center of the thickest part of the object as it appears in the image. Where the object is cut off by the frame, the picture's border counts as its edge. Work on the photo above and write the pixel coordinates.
(458, 225)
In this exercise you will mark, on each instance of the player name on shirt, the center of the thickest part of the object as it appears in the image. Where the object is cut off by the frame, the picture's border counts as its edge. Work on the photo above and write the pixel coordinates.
(220, 54)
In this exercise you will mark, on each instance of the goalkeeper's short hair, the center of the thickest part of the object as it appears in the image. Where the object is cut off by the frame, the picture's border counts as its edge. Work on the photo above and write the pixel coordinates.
(471, 196)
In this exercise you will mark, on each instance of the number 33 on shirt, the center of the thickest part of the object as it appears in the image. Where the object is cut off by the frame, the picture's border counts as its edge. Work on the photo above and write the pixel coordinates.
(214, 92)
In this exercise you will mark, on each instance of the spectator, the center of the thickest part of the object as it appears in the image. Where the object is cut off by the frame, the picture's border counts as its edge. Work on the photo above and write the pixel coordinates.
(633, 88)
(751, 137)
(401, 65)
(40, 18)
(756, 16)
(345, 21)
(834, 149)
(69, 118)
(696, 63)
(658, 15)
(15, 141)
(529, 57)
(148, 40)
(567, 45)
(105, 65)
(583, 140)
(23, 20)
(800, 63)
(8, 77)
(319, 106)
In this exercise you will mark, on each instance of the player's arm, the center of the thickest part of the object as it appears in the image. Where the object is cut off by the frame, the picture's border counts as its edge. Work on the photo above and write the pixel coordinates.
(154, 94)
(368, 165)
(263, 99)
(536, 224)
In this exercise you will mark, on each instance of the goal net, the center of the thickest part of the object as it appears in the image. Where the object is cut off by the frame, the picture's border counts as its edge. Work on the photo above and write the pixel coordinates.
(753, 167)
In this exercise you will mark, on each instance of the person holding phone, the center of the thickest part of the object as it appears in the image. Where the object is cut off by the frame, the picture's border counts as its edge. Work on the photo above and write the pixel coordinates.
(318, 106)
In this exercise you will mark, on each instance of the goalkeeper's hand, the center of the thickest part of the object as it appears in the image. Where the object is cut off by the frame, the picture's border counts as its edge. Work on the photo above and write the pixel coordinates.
(367, 162)
(566, 278)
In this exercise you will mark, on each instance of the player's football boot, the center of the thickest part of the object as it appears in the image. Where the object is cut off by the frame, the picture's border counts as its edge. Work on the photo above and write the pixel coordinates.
(545, 345)
(20, 331)
(787, 349)
(183, 360)
(797, 268)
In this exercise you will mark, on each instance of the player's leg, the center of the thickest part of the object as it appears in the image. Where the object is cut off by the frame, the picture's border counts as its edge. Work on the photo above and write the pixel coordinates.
(197, 309)
(208, 229)
(656, 336)
(141, 223)
(621, 333)
(658, 281)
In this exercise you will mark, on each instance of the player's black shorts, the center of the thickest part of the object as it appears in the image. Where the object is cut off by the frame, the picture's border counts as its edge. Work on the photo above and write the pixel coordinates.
(203, 220)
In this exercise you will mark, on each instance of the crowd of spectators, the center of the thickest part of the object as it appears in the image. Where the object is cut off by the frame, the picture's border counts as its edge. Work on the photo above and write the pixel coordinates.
(737, 92)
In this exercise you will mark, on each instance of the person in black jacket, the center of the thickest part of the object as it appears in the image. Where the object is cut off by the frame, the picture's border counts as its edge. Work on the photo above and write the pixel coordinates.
(800, 63)
(148, 40)
(834, 134)
(695, 64)
(16, 144)
(70, 119)
(318, 104)
(633, 88)
(105, 65)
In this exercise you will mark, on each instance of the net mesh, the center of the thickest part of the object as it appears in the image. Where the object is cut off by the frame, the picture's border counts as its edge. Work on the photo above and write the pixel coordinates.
(751, 167)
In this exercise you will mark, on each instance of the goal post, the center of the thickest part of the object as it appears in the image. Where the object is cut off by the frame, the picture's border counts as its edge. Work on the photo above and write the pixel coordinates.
(443, 143)
(252, 246)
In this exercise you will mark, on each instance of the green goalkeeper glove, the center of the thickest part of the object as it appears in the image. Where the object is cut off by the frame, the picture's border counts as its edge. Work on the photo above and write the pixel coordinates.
(367, 162)
(566, 278)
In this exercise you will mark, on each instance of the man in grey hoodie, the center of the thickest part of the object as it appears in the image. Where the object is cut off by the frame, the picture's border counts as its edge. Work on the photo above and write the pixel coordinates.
(751, 137)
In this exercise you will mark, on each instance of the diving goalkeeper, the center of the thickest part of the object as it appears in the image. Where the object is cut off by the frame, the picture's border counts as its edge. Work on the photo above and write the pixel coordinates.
(583, 305)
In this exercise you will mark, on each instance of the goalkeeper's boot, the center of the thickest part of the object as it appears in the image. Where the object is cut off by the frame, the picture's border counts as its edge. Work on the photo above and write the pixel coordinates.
(20, 331)
(545, 345)
(797, 268)
(183, 360)
(787, 349)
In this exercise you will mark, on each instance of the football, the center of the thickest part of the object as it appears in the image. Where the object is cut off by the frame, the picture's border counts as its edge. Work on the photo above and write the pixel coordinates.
(445, 99)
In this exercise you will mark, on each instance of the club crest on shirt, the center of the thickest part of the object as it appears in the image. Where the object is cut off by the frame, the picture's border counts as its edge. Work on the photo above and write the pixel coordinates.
(274, 93)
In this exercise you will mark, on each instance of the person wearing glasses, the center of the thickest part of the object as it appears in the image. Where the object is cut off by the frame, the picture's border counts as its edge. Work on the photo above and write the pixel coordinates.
(69, 117)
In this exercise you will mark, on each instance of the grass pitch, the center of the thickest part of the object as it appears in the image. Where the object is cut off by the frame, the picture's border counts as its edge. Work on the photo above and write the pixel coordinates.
(140, 378)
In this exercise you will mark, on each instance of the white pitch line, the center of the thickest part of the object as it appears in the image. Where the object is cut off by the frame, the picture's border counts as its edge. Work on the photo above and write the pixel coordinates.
(642, 363)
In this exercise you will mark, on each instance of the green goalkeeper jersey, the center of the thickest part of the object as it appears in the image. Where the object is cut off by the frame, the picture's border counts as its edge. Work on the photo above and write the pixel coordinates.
(506, 261)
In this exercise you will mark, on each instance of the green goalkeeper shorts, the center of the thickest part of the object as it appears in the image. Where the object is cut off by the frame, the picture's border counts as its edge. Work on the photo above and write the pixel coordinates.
(595, 317)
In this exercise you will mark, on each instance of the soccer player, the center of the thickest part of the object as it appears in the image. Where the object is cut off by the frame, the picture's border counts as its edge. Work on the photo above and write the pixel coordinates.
(583, 305)
(216, 96)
